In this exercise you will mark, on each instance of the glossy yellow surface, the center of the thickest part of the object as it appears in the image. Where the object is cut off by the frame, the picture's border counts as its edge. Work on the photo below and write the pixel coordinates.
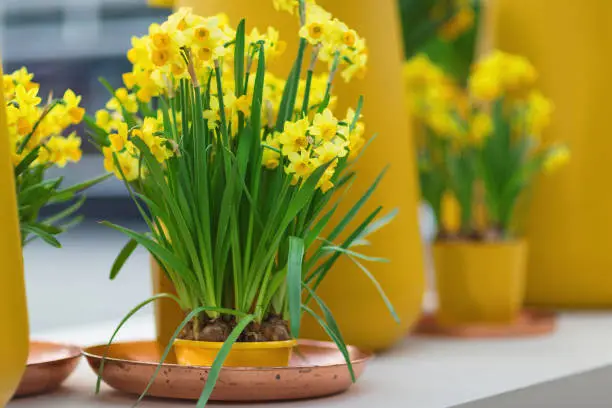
(13, 313)
(361, 314)
(263, 354)
(570, 221)
(480, 282)
(168, 315)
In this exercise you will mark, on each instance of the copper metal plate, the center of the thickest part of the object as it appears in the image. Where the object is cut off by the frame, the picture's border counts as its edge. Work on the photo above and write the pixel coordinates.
(316, 369)
(529, 323)
(49, 365)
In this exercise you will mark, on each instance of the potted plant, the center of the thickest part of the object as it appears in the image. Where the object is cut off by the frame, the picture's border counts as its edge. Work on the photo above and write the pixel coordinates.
(403, 280)
(479, 154)
(237, 175)
(38, 142)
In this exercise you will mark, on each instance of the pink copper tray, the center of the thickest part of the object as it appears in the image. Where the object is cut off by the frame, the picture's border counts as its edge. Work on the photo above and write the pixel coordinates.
(529, 323)
(49, 365)
(316, 369)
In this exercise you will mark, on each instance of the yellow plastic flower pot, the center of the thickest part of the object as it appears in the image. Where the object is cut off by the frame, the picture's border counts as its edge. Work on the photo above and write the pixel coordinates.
(259, 354)
(354, 301)
(569, 226)
(479, 282)
(13, 312)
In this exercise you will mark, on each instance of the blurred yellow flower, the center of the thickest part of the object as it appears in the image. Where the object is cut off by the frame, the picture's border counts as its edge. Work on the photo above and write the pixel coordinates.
(32, 124)
(500, 74)
(123, 99)
(325, 183)
(8, 85)
(72, 102)
(556, 158)
(243, 105)
(271, 156)
(119, 138)
(538, 113)
(328, 151)
(26, 97)
(60, 150)
(285, 5)
(481, 126)
(23, 77)
(128, 165)
(485, 87)
(272, 44)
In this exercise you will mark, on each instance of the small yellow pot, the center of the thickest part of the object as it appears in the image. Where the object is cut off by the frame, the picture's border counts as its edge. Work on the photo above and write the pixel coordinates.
(480, 282)
(256, 354)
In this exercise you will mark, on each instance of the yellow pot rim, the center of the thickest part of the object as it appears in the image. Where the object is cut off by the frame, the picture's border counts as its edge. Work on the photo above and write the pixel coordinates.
(238, 345)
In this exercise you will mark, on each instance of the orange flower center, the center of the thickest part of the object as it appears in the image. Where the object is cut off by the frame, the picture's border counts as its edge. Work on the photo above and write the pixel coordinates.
(315, 30)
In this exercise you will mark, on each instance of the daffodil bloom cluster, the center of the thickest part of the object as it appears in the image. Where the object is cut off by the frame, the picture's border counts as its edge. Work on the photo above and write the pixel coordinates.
(40, 138)
(127, 156)
(434, 98)
(32, 124)
(191, 48)
(308, 145)
(501, 74)
(334, 42)
(467, 134)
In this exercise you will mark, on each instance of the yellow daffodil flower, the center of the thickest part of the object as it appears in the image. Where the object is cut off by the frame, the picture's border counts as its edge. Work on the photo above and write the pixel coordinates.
(300, 164)
(324, 126)
(119, 138)
(270, 155)
(294, 138)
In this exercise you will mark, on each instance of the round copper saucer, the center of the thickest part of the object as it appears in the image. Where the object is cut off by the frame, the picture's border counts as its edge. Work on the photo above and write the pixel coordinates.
(529, 323)
(49, 364)
(316, 369)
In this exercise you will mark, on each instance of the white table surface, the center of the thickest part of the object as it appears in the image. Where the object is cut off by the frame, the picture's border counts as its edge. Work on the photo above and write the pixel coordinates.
(420, 372)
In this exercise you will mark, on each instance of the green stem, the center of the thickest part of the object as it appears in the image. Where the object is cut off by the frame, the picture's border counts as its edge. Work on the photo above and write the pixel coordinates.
(296, 80)
(307, 93)
(311, 67)
(221, 104)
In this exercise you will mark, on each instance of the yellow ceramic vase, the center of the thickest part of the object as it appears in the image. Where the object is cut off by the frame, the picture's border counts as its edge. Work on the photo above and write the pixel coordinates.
(361, 314)
(260, 354)
(479, 283)
(569, 226)
(13, 313)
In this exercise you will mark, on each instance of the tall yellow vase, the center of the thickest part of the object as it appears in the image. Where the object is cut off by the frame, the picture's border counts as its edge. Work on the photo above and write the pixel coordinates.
(13, 314)
(570, 222)
(360, 312)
